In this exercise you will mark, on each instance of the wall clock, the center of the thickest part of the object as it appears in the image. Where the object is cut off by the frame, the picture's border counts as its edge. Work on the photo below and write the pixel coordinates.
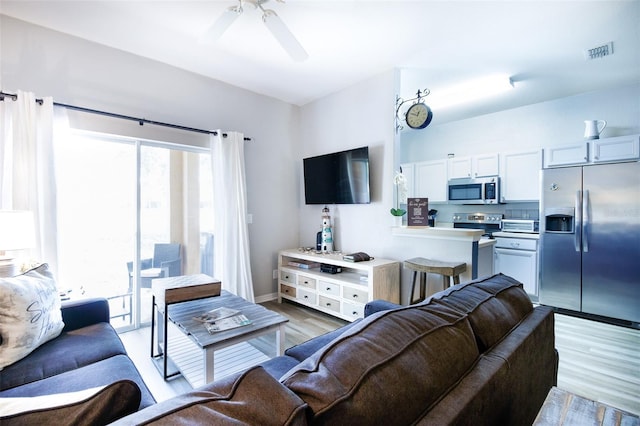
(418, 116)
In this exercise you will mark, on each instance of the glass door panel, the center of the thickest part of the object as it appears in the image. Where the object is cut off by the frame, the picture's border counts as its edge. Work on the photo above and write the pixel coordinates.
(155, 221)
(96, 221)
(100, 180)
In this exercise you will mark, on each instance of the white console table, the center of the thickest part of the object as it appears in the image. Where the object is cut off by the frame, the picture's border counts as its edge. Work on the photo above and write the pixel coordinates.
(343, 294)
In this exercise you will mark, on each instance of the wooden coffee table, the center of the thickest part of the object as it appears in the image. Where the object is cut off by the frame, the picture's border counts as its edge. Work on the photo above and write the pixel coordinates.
(192, 349)
(563, 408)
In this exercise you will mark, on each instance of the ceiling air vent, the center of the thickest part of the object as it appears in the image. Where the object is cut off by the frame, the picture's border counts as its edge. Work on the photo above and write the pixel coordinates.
(599, 52)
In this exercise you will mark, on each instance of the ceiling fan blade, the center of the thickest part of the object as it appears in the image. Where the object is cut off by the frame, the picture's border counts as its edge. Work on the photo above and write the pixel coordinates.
(221, 24)
(286, 39)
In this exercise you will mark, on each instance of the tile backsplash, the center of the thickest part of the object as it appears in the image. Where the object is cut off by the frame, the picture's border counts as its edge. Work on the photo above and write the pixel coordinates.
(522, 214)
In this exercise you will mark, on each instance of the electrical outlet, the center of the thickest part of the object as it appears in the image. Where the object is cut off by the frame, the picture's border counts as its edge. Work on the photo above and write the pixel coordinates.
(275, 274)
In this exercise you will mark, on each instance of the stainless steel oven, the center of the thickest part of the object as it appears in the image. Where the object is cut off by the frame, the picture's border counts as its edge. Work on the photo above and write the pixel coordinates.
(489, 222)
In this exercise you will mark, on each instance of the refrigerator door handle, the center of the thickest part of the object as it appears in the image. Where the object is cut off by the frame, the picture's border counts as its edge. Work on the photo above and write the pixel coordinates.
(578, 219)
(585, 220)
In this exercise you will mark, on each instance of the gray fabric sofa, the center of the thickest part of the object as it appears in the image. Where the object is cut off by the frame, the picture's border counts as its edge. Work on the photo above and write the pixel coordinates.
(87, 354)
(477, 353)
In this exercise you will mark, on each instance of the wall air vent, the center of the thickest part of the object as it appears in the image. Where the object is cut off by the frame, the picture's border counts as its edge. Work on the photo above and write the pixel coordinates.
(599, 52)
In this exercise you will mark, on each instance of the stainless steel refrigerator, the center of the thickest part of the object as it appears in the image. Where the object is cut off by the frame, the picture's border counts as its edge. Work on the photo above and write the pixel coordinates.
(590, 240)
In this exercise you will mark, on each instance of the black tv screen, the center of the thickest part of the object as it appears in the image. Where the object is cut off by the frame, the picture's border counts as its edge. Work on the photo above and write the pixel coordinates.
(337, 178)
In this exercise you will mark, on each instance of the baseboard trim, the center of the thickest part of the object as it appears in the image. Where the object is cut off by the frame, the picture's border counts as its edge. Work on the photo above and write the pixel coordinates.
(266, 297)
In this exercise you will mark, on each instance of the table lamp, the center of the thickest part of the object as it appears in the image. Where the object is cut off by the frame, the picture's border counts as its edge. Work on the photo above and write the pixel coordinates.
(16, 233)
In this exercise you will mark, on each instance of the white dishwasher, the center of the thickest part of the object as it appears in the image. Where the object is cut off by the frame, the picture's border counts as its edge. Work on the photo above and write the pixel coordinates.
(517, 256)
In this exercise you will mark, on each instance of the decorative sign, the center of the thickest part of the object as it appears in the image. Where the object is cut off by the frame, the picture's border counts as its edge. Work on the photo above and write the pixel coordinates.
(418, 211)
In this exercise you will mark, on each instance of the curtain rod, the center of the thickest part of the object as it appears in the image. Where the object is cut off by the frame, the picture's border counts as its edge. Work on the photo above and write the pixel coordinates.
(141, 121)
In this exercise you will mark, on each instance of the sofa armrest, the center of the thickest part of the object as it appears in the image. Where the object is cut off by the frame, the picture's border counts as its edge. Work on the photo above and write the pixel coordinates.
(379, 305)
(81, 313)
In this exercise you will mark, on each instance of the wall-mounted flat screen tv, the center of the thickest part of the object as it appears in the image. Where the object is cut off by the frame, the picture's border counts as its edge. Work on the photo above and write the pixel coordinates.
(337, 178)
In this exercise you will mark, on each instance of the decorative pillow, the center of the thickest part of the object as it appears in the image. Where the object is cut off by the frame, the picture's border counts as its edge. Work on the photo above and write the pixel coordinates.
(29, 313)
(95, 406)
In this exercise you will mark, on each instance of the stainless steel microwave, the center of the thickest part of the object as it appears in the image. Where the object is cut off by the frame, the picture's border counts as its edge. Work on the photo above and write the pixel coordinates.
(484, 190)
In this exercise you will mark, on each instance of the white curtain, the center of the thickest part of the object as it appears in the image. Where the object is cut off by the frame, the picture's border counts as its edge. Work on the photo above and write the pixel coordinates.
(231, 254)
(27, 178)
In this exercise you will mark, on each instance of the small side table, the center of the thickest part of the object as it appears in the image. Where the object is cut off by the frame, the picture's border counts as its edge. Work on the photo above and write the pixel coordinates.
(564, 408)
(167, 291)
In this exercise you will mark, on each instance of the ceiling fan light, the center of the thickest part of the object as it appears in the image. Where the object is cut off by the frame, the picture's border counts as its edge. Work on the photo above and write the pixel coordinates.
(286, 39)
(221, 24)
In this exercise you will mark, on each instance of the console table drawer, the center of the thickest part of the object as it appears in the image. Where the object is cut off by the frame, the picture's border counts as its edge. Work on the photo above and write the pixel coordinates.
(329, 288)
(353, 310)
(355, 295)
(327, 302)
(306, 281)
(288, 290)
(306, 296)
(287, 277)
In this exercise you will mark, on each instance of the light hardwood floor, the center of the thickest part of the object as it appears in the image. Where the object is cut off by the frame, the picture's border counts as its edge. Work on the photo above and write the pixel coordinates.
(597, 361)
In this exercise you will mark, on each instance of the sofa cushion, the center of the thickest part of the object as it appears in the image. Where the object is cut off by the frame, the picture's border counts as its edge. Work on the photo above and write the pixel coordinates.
(100, 373)
(96, 406)
(29, 313)
(495, 305)
(252, 397)
(70, 350)
(405, 359)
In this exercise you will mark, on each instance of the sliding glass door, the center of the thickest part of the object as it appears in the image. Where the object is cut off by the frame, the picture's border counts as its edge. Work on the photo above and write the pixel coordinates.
(130, 211)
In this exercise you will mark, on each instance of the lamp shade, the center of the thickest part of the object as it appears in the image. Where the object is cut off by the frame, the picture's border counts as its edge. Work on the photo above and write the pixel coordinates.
(16, 230)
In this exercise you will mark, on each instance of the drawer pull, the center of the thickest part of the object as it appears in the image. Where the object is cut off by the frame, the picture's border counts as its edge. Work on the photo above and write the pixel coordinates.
(328, 288)
(355, 296)
(354, 313)
(328, 304)
(306, 297)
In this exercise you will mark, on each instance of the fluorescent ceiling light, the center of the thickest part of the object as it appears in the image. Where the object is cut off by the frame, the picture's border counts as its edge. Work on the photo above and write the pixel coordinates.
(469, 91)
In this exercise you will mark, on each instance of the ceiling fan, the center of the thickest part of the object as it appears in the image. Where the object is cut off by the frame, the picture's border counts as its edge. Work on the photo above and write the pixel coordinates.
(270, 18)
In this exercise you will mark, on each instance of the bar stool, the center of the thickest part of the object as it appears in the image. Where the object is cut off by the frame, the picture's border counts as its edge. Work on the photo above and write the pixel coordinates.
(422, 266)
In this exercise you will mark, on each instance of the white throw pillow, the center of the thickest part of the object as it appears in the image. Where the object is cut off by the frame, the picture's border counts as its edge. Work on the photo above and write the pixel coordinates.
(29, 313)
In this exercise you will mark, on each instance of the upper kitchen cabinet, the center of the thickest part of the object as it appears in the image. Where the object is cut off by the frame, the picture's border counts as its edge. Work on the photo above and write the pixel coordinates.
(615, 149)
(427, 179)
(621, 148)
(566, 155)
(473, 167)
(520, 176)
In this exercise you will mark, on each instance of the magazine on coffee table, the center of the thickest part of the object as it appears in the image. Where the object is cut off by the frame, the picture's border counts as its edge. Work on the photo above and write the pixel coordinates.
(227, 323)
(216, 315)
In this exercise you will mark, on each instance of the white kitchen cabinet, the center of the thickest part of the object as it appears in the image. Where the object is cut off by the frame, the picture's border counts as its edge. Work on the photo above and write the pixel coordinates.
(344, 294)
(427, 179)
(520, 176)
(473, 167)
(408, 170)
(607, 150)
(430, 181)
(565, 155)
(518, 258)
(615, 149)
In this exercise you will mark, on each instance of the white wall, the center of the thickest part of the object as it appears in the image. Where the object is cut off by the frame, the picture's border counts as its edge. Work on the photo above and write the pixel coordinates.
(78, 72)
(361, 115)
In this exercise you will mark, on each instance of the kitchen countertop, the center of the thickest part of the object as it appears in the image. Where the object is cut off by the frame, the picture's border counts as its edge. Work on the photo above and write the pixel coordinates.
(516, 235)
(438, 232)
